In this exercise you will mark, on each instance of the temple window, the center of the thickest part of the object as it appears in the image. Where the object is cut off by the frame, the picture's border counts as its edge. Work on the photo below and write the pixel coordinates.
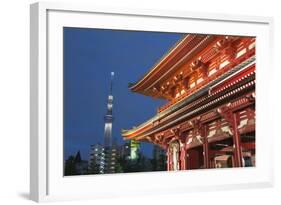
(240, 53)
(199, 80)
(182, 91)
(211, 72)
(224, 63)
(252, 45)
(192, 84)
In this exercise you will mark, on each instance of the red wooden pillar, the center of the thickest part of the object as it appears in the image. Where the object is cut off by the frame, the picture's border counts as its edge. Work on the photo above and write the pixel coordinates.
(183, 158)
(186, 156)
(233, 119)
(169, 159)
(206, 154)
(236, 143)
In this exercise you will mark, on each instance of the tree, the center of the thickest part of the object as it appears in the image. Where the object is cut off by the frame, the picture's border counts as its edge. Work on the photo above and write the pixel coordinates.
(69, 167)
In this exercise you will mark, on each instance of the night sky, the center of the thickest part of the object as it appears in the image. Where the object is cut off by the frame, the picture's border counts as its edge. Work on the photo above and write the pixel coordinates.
(90, 55)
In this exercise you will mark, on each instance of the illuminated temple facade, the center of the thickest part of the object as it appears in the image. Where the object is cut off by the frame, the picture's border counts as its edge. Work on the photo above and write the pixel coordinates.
(209, 118)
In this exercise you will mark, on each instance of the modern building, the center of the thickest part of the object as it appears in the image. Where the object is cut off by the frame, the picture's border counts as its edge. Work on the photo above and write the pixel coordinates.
(208, 121)
(110, 159)
(96, 164)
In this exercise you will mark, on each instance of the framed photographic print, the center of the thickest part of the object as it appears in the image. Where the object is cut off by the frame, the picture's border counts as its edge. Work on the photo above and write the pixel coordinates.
(127, 102)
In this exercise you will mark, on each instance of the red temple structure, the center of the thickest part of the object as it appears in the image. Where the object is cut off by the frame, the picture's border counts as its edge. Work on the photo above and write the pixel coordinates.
(209, 119)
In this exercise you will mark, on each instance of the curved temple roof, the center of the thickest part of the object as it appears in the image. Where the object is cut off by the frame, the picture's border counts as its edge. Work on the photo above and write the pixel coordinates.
(185, 50)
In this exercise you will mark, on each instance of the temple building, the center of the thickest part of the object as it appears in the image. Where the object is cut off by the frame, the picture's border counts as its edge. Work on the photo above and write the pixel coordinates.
(208, 121)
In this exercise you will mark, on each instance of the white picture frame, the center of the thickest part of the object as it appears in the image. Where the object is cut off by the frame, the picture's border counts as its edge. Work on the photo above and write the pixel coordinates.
(46, 178)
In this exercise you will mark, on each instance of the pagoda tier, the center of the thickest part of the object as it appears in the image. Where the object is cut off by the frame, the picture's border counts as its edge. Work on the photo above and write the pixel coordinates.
(209, 120)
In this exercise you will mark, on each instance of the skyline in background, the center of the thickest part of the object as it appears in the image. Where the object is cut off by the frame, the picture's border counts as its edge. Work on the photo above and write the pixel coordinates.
(90, 55)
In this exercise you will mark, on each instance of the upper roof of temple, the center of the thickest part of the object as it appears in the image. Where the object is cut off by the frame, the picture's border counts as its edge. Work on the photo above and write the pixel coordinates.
(184, 64)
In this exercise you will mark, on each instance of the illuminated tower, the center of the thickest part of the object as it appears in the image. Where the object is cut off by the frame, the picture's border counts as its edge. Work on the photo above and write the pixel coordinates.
(108, 118)
(108, 163)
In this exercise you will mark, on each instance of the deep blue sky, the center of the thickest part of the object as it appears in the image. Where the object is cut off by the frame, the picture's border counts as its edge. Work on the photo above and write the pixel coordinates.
(89, 57)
